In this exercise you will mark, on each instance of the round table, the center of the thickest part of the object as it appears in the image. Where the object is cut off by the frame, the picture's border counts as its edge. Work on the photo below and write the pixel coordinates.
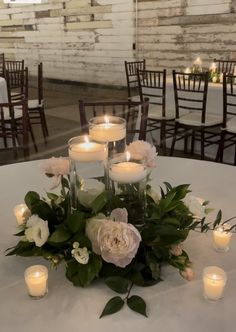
(3, 91)
(173, 305)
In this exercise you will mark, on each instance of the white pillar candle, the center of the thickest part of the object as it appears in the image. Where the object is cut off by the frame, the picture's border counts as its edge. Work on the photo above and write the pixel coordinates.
(22, 213)
(127, 171)
(36, 277)
(214, 280)
(87, 151)
(109, 129)
(221, 238)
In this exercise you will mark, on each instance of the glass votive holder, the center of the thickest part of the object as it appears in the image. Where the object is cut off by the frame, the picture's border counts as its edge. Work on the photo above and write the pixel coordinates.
(128, 178)
(87, 160)
(36, 279)
(214, 281)
(109, 129)
(222, 237)
(22, 213)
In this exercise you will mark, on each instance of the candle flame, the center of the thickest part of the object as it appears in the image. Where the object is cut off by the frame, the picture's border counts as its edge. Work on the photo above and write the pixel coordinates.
(127, 155)
(106, 119)
(86, 139)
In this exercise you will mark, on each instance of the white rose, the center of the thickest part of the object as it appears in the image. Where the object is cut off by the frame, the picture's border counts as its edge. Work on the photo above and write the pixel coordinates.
(195, 206)
(37, 230)
(118, 242)
(90, 189)
(56, 167)
(91, 230)
(119, 215)
(145, 150)
(80, 254)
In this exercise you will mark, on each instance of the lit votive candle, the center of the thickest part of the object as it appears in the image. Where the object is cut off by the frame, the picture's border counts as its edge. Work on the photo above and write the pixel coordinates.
(127, 171)
(22, 213)
(107, 129)
(82, 149)
(36, 277)
(214, 281)
(221, 238)
(187, 70)
(213, 67)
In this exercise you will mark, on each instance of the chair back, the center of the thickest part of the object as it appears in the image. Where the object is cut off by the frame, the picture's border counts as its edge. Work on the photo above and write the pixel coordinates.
(225, 66)
(152, 85)
(11, 129)
(17, 84)
(2, 65)
(14, 65)
(127, 110)
(131, 70)
(190, 92)
(229, 97)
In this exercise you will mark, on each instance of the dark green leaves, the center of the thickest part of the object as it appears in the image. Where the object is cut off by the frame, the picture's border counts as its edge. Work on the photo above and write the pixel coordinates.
(118, 284)
(137, 304)
(113, 305)
(60, 235)
(99, 202)
(76, 222)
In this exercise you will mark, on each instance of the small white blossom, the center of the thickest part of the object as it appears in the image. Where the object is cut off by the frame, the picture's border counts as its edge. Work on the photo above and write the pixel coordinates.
(81, 255)
(144, 150)
(55, 168)
(37, 230)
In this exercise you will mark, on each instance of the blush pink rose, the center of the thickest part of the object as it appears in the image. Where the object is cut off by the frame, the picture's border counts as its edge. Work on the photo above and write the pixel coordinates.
(145, 150)
(176, 250)
(118, 242)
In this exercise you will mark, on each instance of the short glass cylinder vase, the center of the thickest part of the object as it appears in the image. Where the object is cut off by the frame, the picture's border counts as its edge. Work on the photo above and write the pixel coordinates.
(222, 237)
(36, 279)
(111, 130)
(128, 180)
(214, 281)
(87, 164)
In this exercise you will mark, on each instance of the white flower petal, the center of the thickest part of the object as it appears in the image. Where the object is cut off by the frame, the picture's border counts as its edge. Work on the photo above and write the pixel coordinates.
(119, 215)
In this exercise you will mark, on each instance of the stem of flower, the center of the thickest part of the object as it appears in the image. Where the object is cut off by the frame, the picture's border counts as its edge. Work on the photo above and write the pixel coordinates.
(129, 290)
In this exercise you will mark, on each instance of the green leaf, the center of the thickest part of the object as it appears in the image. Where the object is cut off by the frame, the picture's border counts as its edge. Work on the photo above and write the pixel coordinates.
(113, 305)
(76, 222)
(82, 275)
(118, 284)
(137, 304)
(31, 198)
(99, 202)
(218, 219)
(52, 196)
(60, 235)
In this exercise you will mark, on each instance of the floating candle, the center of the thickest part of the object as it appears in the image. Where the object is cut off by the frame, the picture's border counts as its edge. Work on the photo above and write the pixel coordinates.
(84, 150)
(107, 129)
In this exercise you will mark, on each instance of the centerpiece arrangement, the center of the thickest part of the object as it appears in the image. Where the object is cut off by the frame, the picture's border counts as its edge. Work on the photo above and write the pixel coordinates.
(111, 225)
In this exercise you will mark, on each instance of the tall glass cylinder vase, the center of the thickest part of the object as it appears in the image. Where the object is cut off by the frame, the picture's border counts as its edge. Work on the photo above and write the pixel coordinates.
(110, 130)
(87, 159)
(128, 181)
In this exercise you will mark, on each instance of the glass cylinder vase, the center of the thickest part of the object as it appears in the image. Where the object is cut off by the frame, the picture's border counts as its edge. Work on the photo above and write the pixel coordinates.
(111, 130)
(128, 179)
(87, 159)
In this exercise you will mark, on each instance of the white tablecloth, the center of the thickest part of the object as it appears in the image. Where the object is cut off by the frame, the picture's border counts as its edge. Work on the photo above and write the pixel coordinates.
(3, 91)
(174, 305)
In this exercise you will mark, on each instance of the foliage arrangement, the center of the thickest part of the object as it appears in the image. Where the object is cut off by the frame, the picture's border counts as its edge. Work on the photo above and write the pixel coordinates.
(102, 241)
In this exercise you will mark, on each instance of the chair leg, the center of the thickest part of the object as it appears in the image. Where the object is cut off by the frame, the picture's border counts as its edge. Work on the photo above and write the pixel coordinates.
(235, 155)
(32, 135)
(220, 152)
(44, 122)
(186, 141)
(192, 142)
(174, 139)
(202, 144)
(163, 137)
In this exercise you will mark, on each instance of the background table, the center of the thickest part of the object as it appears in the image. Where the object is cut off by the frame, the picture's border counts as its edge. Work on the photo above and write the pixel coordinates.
(3, 91)
(173, 305)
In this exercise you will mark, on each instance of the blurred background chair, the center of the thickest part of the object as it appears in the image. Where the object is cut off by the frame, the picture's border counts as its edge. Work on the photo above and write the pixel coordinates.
(36, 106)
(225, 66)
(191, 118)
(129, 110)
(152, 85)
(228, 131)
(15, 127)
(2, 65)
(131, 71)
